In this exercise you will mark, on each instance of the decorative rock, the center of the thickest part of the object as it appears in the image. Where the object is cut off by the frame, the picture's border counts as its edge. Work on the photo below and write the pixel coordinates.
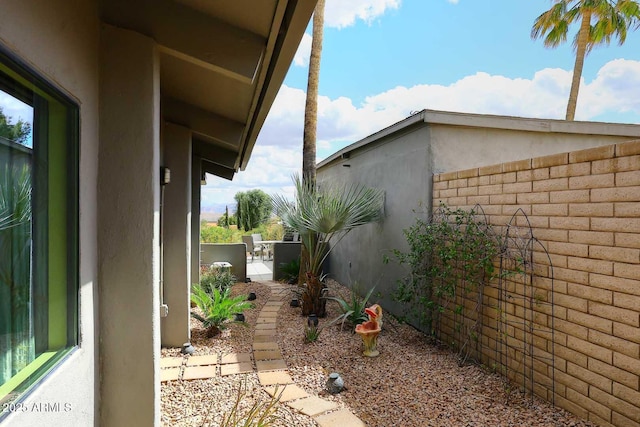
(239, 317)
(335, 384)
(294, 303)
(252, 296)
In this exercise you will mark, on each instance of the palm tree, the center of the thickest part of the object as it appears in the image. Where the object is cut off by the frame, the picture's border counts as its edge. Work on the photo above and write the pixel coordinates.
(311, 113)
(322, 216)
(311, 104)
(600, 20)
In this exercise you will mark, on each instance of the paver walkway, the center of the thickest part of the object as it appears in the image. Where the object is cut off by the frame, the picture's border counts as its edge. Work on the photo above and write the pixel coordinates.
(273, 375)
(270, 366)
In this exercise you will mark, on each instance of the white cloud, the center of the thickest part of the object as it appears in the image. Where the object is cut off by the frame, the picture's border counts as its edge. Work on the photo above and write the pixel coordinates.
(615, 88)
(301, 59)
(342, 13)
(453, 1)
(278, 152)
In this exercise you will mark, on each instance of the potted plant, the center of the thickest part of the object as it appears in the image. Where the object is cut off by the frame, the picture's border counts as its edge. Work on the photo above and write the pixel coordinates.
(322, 215)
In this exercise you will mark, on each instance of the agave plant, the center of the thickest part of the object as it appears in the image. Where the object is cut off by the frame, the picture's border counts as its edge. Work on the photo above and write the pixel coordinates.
(353, 309)
(218, 307)
(322, 215)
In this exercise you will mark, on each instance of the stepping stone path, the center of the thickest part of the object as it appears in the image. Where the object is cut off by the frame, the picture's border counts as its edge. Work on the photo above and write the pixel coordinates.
(273, 375)
(270, 366)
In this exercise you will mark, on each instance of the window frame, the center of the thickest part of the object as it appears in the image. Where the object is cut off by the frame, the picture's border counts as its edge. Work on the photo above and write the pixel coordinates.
(25, 84)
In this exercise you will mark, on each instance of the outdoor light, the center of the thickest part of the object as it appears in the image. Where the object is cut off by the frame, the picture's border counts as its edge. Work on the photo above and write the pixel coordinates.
(165, 175)
(203, 178)
(187, 348)
(335, 383)
(312, 321)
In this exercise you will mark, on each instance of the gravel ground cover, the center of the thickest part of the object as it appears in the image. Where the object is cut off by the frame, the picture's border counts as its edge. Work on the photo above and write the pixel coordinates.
(411, 383)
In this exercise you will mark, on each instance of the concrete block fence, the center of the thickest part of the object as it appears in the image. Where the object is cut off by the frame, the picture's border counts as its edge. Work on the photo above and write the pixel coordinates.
(584, 208)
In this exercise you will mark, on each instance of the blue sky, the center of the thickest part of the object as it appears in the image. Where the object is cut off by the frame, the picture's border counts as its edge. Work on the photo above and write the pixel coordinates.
(383, 59)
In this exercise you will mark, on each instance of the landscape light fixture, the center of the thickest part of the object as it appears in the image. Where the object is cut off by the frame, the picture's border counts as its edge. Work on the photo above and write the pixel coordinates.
(165, 175)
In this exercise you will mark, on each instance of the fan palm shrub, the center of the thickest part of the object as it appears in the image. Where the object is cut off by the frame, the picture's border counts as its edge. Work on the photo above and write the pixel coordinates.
(322, 215)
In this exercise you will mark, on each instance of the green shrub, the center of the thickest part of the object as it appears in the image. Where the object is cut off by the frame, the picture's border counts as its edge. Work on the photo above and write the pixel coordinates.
(216, 278)
(290, 270)
(450, 257)
(215, 234)
(311, 333)
(272, 230)
(218, 307)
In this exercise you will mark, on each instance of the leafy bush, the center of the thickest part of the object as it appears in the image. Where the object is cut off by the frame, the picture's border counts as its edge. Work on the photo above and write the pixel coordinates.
(450, 257)
(218, 307)
(215, 234)
(290, 270)
(216, 278)
(272, 230)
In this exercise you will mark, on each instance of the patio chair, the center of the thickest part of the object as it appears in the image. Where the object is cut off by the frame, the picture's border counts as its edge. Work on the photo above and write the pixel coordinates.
(251, 248)
(257, 237)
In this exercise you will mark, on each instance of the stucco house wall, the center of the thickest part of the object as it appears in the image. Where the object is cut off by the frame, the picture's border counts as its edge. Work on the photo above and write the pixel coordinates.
(119, 61)
(402, 158)
(60, 40)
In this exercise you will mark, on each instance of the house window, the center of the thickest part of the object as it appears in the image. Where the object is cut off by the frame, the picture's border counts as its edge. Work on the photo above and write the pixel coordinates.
(38, 228)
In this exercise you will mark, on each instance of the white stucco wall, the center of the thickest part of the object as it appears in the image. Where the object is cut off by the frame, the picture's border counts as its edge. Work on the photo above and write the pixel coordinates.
(59, 39)
(176, 235)
(129, 229)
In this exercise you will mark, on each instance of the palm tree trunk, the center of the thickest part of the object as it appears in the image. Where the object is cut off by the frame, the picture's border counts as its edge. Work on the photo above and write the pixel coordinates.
(311, 118)
(581, 51)
(311, 105)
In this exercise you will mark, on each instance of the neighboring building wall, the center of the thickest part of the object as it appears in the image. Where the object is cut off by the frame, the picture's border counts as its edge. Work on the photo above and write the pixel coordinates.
(399, 165)
(60, 40)
(584, 207)
(462, 147)
(401, 160)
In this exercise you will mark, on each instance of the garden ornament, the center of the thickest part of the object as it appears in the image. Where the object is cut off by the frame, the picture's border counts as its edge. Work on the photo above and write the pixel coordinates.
(370, 329)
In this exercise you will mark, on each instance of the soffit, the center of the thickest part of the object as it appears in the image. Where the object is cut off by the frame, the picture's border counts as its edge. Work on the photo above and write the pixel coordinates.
(221, 63)
(251, 15)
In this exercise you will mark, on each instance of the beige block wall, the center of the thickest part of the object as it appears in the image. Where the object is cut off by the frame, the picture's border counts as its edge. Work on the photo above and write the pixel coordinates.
(584, 207)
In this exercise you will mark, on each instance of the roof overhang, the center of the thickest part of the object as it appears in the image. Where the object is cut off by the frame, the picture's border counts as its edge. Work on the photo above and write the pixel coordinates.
(221, 65)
